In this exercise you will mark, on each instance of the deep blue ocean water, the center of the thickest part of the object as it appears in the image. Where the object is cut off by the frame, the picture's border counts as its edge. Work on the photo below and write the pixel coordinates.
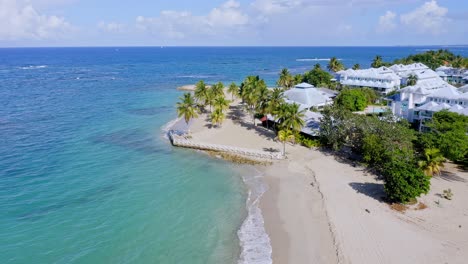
(86, 175)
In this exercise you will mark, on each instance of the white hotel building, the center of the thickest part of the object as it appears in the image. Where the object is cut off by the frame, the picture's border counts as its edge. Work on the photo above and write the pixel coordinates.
(419, 103)
(388, 79)
(383, 79)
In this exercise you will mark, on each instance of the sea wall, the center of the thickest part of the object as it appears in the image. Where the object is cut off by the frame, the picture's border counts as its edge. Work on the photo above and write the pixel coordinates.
(183, 141)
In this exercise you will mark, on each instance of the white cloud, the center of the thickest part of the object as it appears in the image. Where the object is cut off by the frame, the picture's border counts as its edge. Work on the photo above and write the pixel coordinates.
(181, 24)
(387, 22)
(428, 18)
(270, 7)
(21, 21)
(111, 27)
(227, 15)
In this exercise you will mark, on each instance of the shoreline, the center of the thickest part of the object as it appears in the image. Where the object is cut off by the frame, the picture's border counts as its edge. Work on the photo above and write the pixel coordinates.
(284, 220)
(321, 209)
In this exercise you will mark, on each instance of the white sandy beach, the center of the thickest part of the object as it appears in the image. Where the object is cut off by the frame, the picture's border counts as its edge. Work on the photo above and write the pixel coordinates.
(321, 210)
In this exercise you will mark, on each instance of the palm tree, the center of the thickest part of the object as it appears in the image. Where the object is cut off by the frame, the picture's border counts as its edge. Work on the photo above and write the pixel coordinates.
(291, 118)
(285, 80)
(335, 65)
(356, 66)
(276, 99)
(210, 97)
(412, 79)
(217, 90)
(233, 90)
(187, 108)
(221, 103)
(377, 62)
(284, 136)
(433, 162)
(253, 92)
(201, 93)
(458, 62)
(217, 117)
(317, 66)
(297, 79)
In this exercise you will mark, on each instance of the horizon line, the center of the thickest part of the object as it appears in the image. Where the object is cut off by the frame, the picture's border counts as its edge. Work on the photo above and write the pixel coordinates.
(240, 46)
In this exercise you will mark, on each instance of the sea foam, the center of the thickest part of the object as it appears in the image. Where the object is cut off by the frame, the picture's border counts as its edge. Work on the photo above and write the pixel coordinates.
(316, 59)
(254, 241)
(33, 67)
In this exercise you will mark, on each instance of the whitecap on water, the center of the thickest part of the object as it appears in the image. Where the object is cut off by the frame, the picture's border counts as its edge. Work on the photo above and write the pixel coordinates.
(32, 67)
(316, 59)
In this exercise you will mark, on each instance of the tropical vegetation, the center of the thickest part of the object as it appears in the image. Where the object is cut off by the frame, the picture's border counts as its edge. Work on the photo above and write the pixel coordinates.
(187, 108)
(448, 133)
(352, 100)
(335, 65)
(285, 136)
(432, 58)
(432, 163)
(385, 144)
(286, 80)
(233, 89)
(412, 79)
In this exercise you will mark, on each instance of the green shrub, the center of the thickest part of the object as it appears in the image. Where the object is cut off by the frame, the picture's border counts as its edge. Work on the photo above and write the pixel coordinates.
(307, 142)
(403, 182)
(352, 99)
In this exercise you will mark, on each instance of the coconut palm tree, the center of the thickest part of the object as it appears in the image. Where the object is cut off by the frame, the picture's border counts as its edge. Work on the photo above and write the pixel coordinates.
(412, 79)
(297, 79)
(356, 66)
(217, 90)
(221, 103)
(285, 80)
(275, 100)
(201, 93)
(377, 62)
(210, 97)
(253, 92)
(233, 89)
(291, 118)
(433, 162)
(187, 108)
(217, 117)
(335, 65)
(285, 136)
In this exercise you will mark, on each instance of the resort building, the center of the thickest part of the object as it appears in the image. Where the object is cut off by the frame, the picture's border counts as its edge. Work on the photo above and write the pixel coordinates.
(383, 79)
(309, 97)
(463, 89)
(418, 104)
(387, 79)
(453, 75)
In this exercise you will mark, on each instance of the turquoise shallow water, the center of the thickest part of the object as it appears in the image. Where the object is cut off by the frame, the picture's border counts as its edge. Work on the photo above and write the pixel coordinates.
(86, 175)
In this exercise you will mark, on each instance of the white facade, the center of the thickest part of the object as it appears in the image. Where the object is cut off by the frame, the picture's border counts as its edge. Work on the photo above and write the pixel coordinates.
(387, 79)
(417, 103)
(383, 79)
(453, 75)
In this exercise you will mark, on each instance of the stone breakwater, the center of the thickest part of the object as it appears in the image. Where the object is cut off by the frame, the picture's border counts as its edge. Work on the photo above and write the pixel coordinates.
(184, 141)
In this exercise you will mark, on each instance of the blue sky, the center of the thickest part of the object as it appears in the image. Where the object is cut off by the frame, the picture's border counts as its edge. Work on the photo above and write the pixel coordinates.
(232, 22)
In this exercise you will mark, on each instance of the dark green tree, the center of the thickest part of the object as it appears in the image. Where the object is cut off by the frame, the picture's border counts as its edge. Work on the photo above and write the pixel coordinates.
(404, 182)
(352, 99)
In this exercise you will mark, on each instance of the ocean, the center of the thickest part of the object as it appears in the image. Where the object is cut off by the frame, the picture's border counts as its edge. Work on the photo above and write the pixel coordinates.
(87, 174)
